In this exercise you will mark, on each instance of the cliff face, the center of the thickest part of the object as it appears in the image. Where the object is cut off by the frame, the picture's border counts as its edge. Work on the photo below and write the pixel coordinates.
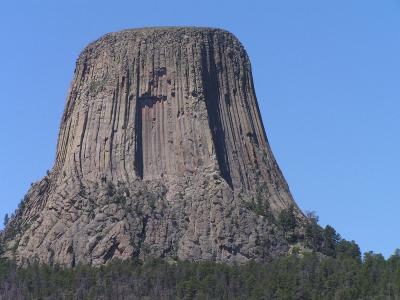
(161, 152)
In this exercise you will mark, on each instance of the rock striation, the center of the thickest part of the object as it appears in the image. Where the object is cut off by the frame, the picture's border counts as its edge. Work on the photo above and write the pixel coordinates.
(161, 153)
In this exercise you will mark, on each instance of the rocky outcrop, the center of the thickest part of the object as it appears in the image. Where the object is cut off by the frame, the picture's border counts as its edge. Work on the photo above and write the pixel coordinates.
(161, 153)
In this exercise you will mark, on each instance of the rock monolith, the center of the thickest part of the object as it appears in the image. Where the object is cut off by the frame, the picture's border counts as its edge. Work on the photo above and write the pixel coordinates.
(161, 153)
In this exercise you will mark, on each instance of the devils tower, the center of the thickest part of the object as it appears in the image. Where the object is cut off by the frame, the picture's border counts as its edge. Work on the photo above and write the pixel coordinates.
(161, 153)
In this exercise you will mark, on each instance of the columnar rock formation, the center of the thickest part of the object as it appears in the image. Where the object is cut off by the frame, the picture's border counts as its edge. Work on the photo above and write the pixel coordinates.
(161, 152)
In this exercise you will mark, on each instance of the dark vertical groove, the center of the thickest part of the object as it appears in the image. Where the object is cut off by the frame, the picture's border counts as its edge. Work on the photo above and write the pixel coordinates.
(138, 127)
(211, 95)
(113, 117)
(81, 140)
(125, 122)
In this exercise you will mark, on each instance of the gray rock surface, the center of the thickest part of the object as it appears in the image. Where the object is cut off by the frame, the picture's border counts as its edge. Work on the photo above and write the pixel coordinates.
(161, 153)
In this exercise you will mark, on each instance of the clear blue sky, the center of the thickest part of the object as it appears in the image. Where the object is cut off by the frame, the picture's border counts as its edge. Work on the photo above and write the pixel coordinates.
(327, 76)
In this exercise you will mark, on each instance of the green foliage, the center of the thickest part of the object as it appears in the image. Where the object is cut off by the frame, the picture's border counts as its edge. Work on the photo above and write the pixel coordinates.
(95, 87)
(21, 204)
(257, 207)
(330, 241)
(110, 189)
(348, 249)
(119, 199)
(314, 234)
(6, 220)
(310, 276)
(260, 206)
(1, 248)
(287, 219)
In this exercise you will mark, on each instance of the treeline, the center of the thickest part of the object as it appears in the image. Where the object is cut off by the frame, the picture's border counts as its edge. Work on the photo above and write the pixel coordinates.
(329, 267)
(308, 276)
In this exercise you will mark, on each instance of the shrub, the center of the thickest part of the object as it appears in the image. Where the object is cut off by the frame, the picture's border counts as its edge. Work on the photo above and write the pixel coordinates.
(287, 219)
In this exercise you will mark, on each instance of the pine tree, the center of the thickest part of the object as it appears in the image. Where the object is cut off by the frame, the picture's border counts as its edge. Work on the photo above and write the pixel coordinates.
(6, 220)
